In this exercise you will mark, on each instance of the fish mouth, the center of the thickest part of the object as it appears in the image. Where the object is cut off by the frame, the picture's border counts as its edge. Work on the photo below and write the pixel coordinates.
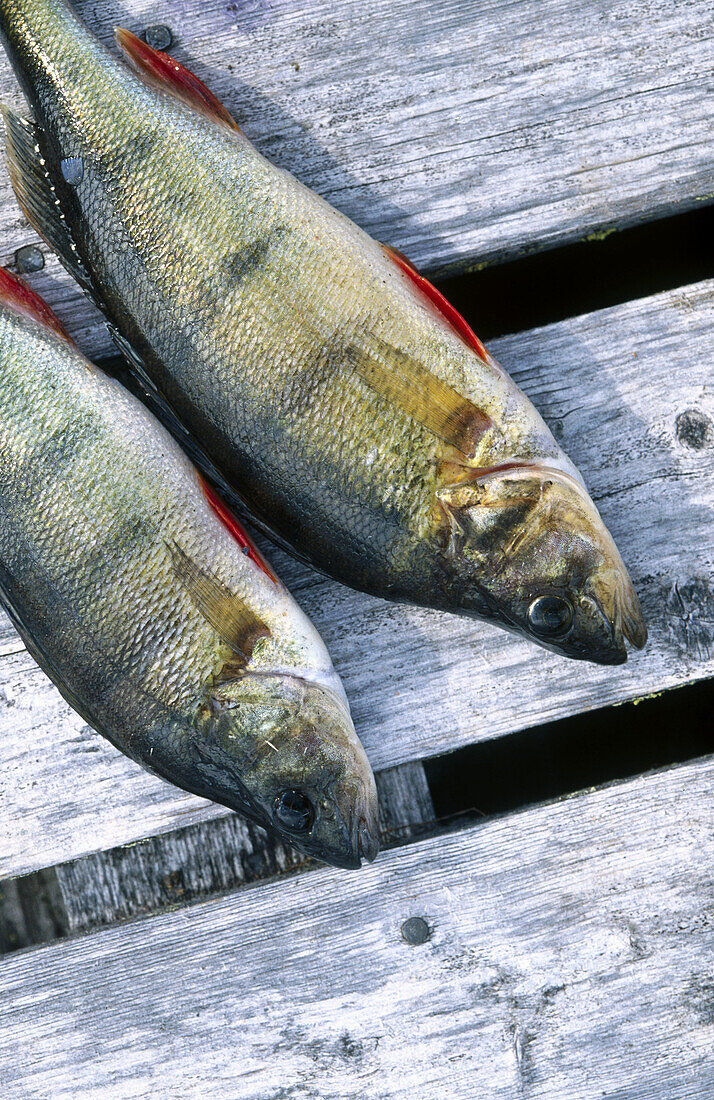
(611, 620)
(628, 622)
(632, 622)
(617, 655)
(362, 843)
(366, 841)
(356, 836)
(362, 838)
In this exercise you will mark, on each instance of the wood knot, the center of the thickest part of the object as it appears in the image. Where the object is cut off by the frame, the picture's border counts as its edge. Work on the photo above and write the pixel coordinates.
(694, 429)
(690, 617)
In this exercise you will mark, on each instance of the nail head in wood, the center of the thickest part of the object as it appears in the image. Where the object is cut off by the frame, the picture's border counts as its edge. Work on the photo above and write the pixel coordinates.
(694, 429)
(29, 258)
(415, 931)
(158, 36)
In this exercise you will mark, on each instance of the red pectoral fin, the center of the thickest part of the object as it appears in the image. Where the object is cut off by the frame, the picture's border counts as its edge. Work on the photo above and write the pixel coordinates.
(160, 70)
(239, 534)
(19, 297)
(437, 299)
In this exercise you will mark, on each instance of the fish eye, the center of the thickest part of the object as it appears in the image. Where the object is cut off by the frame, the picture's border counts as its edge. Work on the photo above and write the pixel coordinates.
(550, 616)
(294, 811)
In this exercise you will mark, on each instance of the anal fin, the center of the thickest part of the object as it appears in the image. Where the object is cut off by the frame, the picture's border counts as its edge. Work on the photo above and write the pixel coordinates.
(162, 71)
(37, 195)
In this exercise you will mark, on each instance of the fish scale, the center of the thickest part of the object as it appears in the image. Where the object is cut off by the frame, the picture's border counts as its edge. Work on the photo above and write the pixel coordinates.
(333, 390)
(140, 604)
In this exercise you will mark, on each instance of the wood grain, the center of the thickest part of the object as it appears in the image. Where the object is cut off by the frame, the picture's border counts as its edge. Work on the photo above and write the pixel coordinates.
(568, 957)
(202, 859)
(422, 683)
(457, 131)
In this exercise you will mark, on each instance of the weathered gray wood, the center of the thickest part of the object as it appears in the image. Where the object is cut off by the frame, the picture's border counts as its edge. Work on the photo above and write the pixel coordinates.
(204, 859)
(568, 957)
(171, 869)
(207, 858)
(422, 683)
(405, 806)
(457, 131)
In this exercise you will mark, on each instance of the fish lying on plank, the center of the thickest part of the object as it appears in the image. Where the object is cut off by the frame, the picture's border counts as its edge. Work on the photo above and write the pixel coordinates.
(148, 606)
(339, 395)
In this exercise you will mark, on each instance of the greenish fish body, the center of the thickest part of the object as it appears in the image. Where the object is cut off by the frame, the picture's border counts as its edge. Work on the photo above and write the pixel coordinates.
(341, 399)
(143, 606)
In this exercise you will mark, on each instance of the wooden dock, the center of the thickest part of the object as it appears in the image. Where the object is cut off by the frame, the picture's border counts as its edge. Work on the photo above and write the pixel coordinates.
(560, 951)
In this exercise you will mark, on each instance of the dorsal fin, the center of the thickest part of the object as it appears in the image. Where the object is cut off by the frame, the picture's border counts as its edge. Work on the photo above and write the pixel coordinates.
(227, 518)
(162, 71)
(38, 196)
(439, 302)
(235, 623)
(19, 297)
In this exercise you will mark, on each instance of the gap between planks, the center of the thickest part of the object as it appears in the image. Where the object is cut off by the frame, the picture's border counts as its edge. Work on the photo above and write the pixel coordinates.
(176, 868)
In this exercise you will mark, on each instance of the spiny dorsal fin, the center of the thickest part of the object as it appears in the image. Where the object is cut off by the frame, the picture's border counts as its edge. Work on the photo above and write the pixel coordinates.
(161, 71)
(421, 395)
(238, 626)
(36, 194)
(19, 297)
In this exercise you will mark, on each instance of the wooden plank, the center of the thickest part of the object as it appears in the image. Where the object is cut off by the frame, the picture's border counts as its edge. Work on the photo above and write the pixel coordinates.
(422, 683)
(457, 131)
(567, 956)
(203, 859)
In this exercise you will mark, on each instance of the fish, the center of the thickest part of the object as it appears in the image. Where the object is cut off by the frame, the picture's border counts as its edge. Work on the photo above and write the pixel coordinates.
(150, 608)
(320, 380)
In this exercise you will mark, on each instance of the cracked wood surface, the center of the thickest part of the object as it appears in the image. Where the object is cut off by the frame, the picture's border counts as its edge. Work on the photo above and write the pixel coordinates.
(457, 131)
(420, 682)
(568, 956)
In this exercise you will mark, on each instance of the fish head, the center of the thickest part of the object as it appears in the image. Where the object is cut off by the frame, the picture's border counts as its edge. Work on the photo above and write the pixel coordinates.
(283, 750)
(532, 553)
